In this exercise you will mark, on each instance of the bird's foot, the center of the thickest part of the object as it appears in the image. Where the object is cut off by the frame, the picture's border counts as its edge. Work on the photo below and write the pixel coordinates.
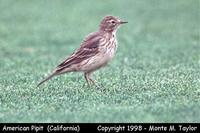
(101, 88)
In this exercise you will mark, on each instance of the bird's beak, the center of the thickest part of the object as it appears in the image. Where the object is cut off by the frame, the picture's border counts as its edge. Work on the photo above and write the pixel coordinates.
(123, 22)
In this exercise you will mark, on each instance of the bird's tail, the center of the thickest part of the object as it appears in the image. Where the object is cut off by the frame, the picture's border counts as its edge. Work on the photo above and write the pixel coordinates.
(47, 78)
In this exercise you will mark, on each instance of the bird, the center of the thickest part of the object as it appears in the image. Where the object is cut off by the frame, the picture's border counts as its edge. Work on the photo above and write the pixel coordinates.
(96, 51)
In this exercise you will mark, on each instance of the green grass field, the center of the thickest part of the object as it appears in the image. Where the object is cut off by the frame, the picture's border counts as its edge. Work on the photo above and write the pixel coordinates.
(154, 77)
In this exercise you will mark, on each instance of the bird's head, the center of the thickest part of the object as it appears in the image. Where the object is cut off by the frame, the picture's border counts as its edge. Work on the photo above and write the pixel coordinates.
(111, 24)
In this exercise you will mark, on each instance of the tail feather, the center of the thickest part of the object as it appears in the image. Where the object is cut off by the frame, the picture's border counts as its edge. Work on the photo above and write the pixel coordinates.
(44, 80)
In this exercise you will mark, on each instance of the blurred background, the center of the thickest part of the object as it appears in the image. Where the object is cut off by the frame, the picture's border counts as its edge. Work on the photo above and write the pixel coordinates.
(155, 76)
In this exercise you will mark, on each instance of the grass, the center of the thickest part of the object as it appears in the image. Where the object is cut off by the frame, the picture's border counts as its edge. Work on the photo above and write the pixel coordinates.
(155, 76)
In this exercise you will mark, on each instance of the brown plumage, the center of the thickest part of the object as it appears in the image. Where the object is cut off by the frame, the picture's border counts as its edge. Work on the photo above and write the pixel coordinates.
(95, 51)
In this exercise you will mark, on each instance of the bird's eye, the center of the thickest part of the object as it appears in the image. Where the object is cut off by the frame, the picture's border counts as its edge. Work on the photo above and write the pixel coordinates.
(112, 22)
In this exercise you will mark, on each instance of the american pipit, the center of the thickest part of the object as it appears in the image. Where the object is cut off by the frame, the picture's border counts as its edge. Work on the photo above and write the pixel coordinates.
(97, 49)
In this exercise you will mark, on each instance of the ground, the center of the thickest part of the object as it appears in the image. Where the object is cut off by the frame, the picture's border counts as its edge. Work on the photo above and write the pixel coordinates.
(154, 77)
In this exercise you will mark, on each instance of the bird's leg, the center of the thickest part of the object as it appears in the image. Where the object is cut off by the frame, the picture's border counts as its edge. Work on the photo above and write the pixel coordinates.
(92, 81)
(86, 75)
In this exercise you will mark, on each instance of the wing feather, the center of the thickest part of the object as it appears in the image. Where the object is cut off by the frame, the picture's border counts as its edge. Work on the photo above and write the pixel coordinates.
(88, 48)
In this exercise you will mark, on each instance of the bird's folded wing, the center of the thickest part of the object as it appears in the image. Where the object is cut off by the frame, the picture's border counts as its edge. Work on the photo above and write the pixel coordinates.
(88, 48)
